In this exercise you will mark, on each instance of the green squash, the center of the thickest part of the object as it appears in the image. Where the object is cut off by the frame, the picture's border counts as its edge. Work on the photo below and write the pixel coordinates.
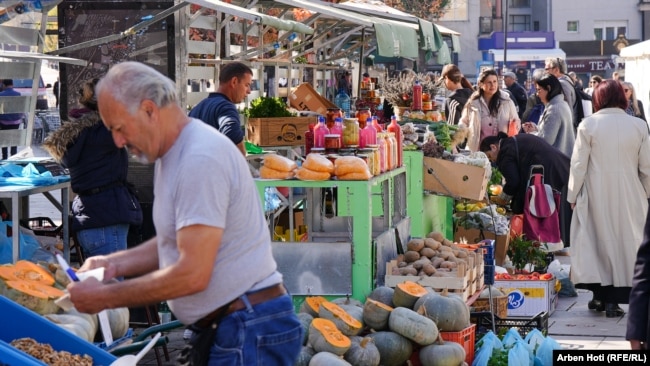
(450, 313)
(413, 326)
(363, 353)
(394, 349)
(327, 359)
(442, 354)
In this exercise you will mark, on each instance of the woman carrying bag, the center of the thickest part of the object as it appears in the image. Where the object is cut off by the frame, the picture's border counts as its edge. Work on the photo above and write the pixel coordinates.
(514, 156)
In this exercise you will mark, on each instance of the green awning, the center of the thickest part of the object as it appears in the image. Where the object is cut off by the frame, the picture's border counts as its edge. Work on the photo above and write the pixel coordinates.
(395, 41)
(430, 38)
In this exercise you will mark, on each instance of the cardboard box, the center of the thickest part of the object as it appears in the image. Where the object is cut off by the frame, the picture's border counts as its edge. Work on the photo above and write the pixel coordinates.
(476, 235)
(306, 98)
(280, 131)
(454, 179)
(529, 298)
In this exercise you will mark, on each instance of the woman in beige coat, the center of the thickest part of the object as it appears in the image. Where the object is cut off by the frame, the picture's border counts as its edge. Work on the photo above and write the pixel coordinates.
(488, 111)
(609, 186)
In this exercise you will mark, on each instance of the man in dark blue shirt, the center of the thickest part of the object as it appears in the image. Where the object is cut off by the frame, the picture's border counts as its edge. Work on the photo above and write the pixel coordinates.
(517, 92)
(218, 109)
(10, 121)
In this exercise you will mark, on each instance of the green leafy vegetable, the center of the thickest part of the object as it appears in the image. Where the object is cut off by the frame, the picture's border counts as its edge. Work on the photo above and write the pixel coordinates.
(263, 107)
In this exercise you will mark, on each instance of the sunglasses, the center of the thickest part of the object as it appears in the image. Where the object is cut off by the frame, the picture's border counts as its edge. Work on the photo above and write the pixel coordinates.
(626, 90)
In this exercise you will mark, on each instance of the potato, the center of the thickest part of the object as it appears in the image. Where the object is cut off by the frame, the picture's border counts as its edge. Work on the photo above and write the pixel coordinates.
(429, 269)
(427, 252)
(436, 235)
(408, 271)
(431, 243)
(437, 261)
(462, 253)
(415, 245)
(411, 256)
(448, 264)
(402, 264)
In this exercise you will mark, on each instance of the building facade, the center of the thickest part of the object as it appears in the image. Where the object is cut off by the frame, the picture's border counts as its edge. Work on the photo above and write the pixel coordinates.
(590, 32)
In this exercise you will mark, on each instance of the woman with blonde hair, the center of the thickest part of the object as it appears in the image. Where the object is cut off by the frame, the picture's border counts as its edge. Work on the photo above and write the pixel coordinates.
(488, 111)
(634, 106)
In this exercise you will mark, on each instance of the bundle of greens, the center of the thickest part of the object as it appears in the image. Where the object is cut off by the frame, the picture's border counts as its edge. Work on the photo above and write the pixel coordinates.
(264, 107)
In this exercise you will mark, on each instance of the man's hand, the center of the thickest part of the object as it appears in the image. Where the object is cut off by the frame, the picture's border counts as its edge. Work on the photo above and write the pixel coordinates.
(84, 296)
(110, 270)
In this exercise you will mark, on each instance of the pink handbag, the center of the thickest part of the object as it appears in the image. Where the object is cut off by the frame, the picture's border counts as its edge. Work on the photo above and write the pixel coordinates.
(541, 205)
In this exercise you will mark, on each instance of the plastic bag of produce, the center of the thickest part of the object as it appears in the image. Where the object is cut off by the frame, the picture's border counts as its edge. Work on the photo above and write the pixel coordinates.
(545, 350)
(511, 336)
(487, 344)
(520, 355)
(534, 337)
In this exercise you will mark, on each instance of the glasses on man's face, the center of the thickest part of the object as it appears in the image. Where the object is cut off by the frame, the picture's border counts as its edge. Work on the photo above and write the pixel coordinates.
(626, 90)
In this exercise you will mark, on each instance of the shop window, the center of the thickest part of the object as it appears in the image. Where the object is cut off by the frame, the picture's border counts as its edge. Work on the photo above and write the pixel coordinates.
(519, 3)
(598, 34)
(519, 23)
(486, 25)
(572, 26)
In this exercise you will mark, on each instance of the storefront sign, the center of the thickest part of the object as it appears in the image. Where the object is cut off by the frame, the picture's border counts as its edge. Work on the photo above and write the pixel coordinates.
(592, 65)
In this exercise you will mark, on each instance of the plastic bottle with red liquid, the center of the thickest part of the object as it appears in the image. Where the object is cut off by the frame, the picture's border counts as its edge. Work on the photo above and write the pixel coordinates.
(370, 133)
(397, 130)
(319, 132)
(309, 139)
(417, 96)
(376, 125)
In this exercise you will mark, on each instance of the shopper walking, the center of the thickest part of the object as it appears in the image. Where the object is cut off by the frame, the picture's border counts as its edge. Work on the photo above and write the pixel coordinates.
(609, 188)
(104, 207)
(488, 111)
(555, 125)
(218, 109)
(634, 106)
(196, 260)
(461, 89)
(518, 92)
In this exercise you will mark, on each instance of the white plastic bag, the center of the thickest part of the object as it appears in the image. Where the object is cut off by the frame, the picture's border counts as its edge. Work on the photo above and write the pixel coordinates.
(557, 270)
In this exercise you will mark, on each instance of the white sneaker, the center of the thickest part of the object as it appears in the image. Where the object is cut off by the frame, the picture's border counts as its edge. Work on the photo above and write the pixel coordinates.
(187, 334)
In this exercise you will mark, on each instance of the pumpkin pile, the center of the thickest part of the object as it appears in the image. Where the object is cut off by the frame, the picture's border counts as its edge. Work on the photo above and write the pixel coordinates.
(434, 256)
(37, 286)
(385, 330)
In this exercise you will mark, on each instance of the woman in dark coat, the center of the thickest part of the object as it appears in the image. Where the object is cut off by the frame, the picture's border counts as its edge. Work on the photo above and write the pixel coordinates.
(104, 207)
(638, 322)
(515, 155)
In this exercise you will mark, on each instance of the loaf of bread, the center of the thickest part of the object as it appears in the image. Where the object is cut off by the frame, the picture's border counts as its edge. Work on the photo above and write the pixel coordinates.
(268, 173)
(307, 174)
(279, 162)
(318, 163)
(349, 164)
(355, 176)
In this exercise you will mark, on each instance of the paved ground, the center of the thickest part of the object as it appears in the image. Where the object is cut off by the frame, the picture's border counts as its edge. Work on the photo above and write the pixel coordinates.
(572, 324)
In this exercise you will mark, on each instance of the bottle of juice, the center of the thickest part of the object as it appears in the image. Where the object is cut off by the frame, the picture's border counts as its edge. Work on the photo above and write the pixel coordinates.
(376, 125)
(389, 152)
(381, 143)
(417, 96)
(397, 130)
(370, 133)
(319, 132)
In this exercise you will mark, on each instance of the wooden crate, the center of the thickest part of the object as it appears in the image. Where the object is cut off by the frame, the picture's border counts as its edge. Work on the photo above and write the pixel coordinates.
(281, 131)
(459, 284)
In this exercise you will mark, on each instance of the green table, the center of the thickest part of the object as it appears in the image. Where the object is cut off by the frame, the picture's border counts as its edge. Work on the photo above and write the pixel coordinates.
(359, 220)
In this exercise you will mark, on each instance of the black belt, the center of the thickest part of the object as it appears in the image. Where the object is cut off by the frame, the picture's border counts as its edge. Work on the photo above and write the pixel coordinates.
(90, 192)
(254, 298)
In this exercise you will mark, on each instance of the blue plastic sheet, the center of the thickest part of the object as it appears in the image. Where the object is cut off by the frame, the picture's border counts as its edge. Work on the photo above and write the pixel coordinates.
(27, 175)
(28, 244)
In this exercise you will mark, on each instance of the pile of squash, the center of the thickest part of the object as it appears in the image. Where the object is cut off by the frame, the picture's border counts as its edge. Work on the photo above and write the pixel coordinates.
(390, 328)
(37, 286)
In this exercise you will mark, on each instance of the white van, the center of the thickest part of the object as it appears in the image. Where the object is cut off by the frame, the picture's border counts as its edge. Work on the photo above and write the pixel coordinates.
(24, 87)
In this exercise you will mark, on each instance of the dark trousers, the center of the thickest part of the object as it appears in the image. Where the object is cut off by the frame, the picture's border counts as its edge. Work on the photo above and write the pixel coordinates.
(14, 149)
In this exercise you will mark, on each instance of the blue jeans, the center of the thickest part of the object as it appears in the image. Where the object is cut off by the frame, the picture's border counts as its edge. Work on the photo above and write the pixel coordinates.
(103, 240)
(265, 334)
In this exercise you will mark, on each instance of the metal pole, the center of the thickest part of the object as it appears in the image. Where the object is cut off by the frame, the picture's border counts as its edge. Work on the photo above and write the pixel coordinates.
(505, 38)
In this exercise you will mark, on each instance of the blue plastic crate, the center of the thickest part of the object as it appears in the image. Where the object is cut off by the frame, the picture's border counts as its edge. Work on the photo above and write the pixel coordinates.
(10, 356)
(20, 322)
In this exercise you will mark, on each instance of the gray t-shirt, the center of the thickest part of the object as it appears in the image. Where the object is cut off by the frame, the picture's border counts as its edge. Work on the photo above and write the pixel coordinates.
(204, 179)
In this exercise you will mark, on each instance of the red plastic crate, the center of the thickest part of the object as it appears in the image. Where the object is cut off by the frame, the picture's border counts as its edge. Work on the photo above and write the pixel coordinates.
(466, 338)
